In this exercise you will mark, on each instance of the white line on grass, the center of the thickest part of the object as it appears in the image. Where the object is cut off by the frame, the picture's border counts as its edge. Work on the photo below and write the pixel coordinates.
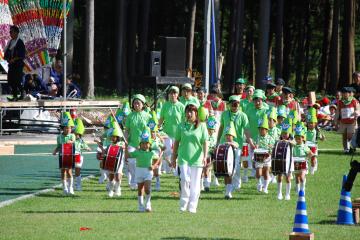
(23, 197)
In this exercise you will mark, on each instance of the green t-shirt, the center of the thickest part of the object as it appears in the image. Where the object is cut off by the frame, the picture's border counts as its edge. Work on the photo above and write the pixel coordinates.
(275, 133)
(301, 150)
(61, 139)
(244, 103)
(135, 124)
(191, 142)
(265, 142)
(240, 122)
(254, 115)
(143, 158)
(173, 115)
(80, 145)
(311, 135)
(156, 145)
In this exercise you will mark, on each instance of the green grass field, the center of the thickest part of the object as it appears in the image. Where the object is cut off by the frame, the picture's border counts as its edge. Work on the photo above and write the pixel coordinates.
(249, 215)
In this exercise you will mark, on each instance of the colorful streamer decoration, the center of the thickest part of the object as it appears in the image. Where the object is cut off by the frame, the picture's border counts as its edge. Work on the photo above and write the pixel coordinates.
(51, 12)
(5, 23)
(26, 15)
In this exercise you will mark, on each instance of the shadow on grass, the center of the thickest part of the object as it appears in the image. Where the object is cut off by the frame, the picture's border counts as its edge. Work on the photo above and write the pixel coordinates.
(76, 211)
(327, 222)
(188, 238)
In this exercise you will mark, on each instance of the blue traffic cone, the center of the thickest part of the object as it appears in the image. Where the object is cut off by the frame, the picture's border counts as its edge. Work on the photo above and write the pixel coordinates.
(301, 220)
(345, 214)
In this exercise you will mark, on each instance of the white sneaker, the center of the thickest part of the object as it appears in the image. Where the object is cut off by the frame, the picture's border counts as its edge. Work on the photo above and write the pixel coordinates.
(216, 182)
(287, 197)
(118, 192)
(111, 193)
(312, 170)
(71, 191)
(192, 210)
(280, 196)
(265, 191)
(148, 207)
(157, 186)
(66, 191)
(259, 187)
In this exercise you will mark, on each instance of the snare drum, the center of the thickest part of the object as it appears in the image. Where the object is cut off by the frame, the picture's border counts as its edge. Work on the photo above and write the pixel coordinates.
(67, 156)
(281, 158)
(224, 162)
(300, 163)
(313, 147)
(113, 158)
(261, 155)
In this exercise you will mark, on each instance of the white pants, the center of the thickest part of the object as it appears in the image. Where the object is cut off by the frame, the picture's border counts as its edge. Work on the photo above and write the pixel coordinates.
(236, 179)
(190, 178)
(131, 168)
(168, 142)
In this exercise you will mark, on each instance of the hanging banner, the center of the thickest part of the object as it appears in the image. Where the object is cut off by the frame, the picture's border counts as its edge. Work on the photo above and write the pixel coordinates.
(26, 15)
(5, 23)
(51, 12)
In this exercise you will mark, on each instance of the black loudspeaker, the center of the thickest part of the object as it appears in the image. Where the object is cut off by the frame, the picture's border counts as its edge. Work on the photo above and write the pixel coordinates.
(173, 52)
(153, 64)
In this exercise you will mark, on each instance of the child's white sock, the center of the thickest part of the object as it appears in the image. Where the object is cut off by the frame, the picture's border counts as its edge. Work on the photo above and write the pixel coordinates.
(266, 184)
(279, 188)
(288, 188)
(302, 185)
(147, 202)
(141, 203)
(65, 186)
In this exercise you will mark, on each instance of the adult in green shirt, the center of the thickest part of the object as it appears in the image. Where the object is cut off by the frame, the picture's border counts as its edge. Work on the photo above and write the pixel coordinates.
(249, 98)
(187, 96)
(190, 148)
(241, 123)
(135, 123)
(172, 114)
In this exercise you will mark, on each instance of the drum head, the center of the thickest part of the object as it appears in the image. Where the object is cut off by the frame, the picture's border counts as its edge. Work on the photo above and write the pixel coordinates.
(230, 160)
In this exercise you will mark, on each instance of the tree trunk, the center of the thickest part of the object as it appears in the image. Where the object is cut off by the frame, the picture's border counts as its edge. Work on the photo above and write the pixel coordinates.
(328, 18)
(347, 48)
(288, 40)
(239, 46)
(143, 35)
(300, 55)
(334, 50)
(132, 30)
(308, 38)
(89, 46)
(279, 44)
(263, 43)
(191, 34)
(120, 36)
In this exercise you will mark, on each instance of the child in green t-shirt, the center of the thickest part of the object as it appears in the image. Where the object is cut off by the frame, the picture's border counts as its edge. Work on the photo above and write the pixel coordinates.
(80, 145)
(146, 162)
(206, 175)
(65, 137)
(300, 152)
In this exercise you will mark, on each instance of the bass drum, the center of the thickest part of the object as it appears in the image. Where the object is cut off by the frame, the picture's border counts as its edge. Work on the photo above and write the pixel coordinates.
(224, 161)
(281, 158)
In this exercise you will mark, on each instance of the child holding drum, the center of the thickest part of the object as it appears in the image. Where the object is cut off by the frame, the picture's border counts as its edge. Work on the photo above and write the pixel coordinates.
(66, 149)
(146, 162)
(286, 141)
(211, 124)
(262, 152)
(312, 135)
(114, 160)
(80, 145)
(300, 152)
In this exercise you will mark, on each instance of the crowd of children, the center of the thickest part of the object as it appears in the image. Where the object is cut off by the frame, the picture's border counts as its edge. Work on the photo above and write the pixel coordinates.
(140, 142)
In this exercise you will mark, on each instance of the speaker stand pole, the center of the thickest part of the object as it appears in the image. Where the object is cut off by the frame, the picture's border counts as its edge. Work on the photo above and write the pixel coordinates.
(206, 57)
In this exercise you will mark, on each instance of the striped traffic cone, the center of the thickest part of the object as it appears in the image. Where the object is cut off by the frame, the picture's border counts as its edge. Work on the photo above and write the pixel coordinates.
(345, 214)
(301, 220)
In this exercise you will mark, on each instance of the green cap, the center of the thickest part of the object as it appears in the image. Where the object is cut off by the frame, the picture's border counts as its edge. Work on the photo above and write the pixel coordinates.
(186, 86)
(109, 121)
(146, 136)
(174, 89)
(193, 102)
(230, 129)
(293, 114)
(139, 97)
(250, 86)
(241, 81)
(281, 112)
(286, 126)
(263, 122)
(153, 121)
(116, 132)
(211, 122)
(234, 98)
(126, 109)
(66, 120)
(272, 113)
(299, 130)
(311, 115)
(258, 93)
(79, 126)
